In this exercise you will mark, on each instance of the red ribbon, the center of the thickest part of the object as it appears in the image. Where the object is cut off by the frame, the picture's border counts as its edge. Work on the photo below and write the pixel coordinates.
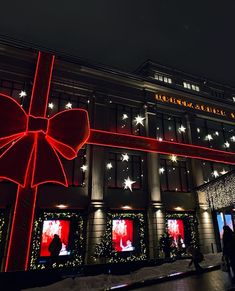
(28, 140)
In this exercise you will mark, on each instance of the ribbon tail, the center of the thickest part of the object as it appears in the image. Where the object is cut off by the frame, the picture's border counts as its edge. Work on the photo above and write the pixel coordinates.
(14, 162)
(4, 141)
(47, 165)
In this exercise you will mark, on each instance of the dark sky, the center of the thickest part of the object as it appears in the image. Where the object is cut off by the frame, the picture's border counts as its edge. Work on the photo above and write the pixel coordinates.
(195, 36)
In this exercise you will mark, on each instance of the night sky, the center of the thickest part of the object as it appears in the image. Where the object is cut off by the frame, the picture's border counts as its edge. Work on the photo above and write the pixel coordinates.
(194, 36)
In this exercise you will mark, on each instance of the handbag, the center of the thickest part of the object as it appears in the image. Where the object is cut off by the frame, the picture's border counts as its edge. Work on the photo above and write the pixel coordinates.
(223, 265)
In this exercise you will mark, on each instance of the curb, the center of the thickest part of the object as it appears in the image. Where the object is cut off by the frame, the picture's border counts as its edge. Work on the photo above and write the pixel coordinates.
(162, 279)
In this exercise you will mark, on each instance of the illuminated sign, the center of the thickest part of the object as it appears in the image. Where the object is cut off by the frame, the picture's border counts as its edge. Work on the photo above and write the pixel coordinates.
(193, 105)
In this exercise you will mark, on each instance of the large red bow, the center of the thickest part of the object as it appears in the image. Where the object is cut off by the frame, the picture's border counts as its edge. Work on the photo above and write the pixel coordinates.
(27, 140)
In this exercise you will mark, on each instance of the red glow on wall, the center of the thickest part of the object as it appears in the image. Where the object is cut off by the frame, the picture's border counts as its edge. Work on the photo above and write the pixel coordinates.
(122, 235)
(50, 228)
(176, 228)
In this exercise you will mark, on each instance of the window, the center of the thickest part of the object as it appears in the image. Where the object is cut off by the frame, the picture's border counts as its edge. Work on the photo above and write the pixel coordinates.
(75, 172)
(162, 78)
(213, 134)
(13, 89)
(213, 170)
(126, 119)
(191, 86)
(174, 176)
(59, 101)
(121, 166)
(171, 128)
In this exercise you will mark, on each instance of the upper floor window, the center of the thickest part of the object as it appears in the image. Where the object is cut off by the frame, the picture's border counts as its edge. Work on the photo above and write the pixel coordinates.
(213, 134)
(76, 169)
(212, 170)
(124, 170)
(162, 78)
(174, 174)
(191, 86)
(171, 128)
(126, 119)
(14, 89)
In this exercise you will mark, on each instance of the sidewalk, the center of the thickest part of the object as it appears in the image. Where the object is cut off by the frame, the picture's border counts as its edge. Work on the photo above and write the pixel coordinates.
(142, 277)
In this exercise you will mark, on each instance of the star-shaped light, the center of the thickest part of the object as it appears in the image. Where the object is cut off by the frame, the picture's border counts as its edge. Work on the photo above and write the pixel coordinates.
(128, 183)
(139, 120)
(84, 168)
(215, 174)
(68, 105)
(217, 133)
(209, 137)
(161, 170)
(109, 166)
(174, 158)
(232, 138)
(125, 157)
(227, 144)
(22, 94)
(124, 116)
(160, 138)
(223, 172)
(198, 129)
(51, 105)
(182, 128)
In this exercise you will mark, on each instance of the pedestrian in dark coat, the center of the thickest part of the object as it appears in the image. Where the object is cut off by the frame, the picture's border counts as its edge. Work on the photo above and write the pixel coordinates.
(55, 246)
(229, 247)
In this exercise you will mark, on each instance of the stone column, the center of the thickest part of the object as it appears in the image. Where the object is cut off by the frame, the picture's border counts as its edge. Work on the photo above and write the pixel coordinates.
(204, 215)
(96, 222)
(156, 220)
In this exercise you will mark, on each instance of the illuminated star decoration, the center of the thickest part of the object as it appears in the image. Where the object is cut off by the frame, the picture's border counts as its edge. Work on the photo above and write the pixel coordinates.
(209, 137)
(128, 183)
(174, 158)
(161, 170)
(139, 120)
(182, 128)
(217, 133)
(51, 105)
(125, 157)
(227, 144)
(124, 116)
(215, 174)
(109, 166)
(84, 168)
(22, 94)
(223, 172)
(233, 138)
(68, 105)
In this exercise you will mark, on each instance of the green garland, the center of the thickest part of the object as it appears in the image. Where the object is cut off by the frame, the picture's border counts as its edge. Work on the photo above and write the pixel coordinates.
(76, 257)
(104, 248)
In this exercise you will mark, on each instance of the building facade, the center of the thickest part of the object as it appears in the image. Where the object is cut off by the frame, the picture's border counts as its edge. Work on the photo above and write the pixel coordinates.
(121, 199)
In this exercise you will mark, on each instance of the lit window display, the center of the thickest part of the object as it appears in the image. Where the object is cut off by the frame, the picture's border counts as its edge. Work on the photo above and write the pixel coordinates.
(122, 235)
(176, 231)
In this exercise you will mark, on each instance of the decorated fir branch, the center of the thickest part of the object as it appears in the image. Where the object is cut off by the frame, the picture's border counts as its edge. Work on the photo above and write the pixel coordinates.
(104, 249)
(76, 257)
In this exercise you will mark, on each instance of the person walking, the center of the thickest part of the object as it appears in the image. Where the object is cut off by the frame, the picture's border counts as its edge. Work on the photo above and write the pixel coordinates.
(229, 247)
(196, 258)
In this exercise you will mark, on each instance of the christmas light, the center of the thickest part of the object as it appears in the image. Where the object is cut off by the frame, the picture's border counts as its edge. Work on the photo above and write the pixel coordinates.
(198, 130)
(215, 174)
(68, 105)
(22, 94)
(128, 183)
(223, 172)
(139, 120)
(227, 144)
(124, 116)
(173, 158)
(109, 166)
(161, 170)
(84, 168)
(232, 138)
(61, 206)
(217, 133)
(51, 105)
(160, 138)
(182, 128)
(209, 137)
(125, 157)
